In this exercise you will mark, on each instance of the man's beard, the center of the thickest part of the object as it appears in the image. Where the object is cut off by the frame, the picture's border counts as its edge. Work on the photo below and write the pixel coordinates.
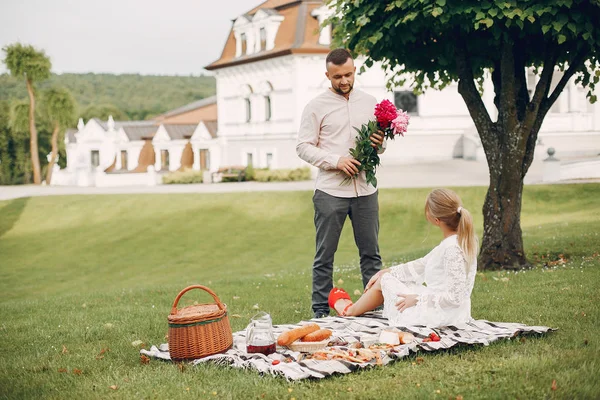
(339, 91)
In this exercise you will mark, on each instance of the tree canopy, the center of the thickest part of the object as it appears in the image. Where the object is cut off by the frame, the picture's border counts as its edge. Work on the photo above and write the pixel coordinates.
(436, 42)
(424, 37)
(24, 61)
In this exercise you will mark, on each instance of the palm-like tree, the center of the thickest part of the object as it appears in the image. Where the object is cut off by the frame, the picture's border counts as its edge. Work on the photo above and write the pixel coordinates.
(58, 107)
(25, 61)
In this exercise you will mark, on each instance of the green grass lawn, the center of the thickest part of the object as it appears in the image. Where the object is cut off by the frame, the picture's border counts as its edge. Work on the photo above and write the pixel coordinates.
(82, 277)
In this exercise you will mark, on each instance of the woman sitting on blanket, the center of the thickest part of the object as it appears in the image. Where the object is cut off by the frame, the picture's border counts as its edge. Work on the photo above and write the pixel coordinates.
(448, 271)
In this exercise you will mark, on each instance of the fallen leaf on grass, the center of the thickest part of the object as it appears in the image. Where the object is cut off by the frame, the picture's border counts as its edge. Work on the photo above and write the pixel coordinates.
(459, 397)
(255, 307)
(77, 371)
(100, 355)
(236, 297)
(340, 281)
(136, 343)
(505, 279)
(64, 350)
(62, 370)
(144, 359)
(554, 387)
(357, 292)
(114, 387)
(181, 367)
(236, 316)
(420, 360)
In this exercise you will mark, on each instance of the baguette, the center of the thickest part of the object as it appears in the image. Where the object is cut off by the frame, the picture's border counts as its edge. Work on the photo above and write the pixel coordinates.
(317, 336)
(289, 337)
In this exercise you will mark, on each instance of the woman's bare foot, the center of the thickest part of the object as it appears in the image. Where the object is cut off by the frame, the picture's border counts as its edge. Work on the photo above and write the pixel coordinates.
(342, 306)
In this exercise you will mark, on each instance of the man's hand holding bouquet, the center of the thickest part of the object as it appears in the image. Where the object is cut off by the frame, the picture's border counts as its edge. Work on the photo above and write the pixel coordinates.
(390, 122)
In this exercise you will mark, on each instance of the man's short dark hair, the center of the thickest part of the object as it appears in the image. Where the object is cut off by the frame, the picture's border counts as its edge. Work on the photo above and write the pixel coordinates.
(338, 57)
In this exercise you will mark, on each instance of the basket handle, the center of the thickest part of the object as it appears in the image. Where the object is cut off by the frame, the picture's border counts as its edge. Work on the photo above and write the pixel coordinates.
(174, 307)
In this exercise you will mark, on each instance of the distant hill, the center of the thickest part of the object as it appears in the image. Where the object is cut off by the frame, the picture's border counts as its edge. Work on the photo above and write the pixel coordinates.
(136, 96)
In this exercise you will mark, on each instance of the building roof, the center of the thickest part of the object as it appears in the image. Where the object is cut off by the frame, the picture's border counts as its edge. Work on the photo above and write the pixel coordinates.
(122, 124)
(296, 34)
(177, 131)
(211, 126)
(140, 132)
(70, 135)
(189, 107)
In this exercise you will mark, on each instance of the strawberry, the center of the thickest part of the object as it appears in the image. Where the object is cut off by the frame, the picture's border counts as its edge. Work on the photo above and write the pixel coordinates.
(434, 337)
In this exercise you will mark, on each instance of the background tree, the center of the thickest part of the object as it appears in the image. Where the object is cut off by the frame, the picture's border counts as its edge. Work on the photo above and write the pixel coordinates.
(102, 111)
(6, 146)
(33, 65)
(59, 109)
(436, 42)
(138, 96)
(18, 149)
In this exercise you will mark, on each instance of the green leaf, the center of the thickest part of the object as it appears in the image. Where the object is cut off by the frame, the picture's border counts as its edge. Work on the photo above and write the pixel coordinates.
(561, 39)
(572, 27)
(479, 16)
(437, 11)
(363, 20)
(545, 28)
(487, 22)
(493, 12)
(441, 3)
(531, 19)
(519, 23)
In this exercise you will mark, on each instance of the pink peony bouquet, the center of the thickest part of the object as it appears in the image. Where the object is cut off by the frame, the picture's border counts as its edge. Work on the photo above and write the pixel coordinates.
(391, 122)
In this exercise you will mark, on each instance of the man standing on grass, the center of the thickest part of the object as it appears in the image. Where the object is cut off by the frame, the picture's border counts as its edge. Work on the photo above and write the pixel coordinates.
(325, 137)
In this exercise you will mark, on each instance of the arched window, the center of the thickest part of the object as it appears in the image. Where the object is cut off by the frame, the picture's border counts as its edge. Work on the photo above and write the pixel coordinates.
(267, 107)
(248, 109)
(245, 93)
(265, 89)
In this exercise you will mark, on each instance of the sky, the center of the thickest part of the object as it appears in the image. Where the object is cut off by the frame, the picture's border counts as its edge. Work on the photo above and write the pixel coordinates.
(149, 37)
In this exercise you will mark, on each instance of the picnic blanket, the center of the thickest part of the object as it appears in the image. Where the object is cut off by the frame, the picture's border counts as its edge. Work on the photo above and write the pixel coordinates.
(295, 366)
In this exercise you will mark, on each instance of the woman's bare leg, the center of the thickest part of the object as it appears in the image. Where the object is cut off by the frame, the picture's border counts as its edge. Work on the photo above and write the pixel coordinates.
(369, 301)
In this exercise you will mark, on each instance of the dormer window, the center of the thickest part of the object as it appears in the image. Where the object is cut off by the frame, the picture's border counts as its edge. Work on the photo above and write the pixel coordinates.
(263, 39)
(244, 43)
(256, 33)
(321, 14)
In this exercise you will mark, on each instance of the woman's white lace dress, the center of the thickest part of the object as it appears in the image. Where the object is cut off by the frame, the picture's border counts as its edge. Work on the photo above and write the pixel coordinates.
(446, 300)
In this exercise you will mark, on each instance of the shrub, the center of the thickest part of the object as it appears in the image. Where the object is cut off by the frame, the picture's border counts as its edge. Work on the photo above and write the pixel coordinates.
(185, 176)
(250, 173)
(282, 175)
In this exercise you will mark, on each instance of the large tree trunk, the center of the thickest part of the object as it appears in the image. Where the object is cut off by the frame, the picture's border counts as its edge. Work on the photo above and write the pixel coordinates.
(509, 143)
(502, 245)
(33, 137)
(54, 153)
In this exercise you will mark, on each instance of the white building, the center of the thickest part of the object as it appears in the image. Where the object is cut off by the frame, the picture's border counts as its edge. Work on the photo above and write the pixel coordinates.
(272, 64)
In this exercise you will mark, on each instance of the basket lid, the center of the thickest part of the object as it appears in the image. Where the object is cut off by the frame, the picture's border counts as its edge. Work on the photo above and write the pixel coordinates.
(198, 313)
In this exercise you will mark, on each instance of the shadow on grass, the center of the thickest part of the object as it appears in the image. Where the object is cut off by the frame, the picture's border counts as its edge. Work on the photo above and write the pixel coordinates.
(10, 214)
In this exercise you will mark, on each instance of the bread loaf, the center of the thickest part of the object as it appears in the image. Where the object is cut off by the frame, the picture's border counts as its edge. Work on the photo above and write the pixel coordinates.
(317, 336)
(289, 337)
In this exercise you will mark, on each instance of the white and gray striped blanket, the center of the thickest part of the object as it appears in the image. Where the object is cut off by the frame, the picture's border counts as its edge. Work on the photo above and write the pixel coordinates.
(294, 366)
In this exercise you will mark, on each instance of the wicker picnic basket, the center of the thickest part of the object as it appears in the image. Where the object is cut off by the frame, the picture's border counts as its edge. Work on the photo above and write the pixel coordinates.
(198, 330)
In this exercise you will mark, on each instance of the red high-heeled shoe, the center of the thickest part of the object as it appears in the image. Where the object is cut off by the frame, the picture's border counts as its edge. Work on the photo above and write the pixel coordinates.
(336, 294)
